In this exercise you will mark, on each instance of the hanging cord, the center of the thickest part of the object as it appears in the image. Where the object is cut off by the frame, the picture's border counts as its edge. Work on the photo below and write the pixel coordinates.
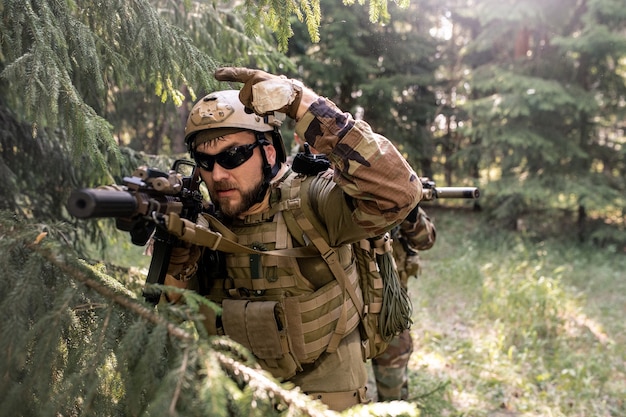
(396, 311)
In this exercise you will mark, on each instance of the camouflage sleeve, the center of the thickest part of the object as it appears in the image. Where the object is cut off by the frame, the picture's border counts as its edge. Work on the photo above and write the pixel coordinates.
(381, 186)
(420, 233)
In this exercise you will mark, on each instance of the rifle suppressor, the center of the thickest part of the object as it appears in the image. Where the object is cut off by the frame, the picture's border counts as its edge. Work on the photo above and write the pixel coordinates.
(90, 202)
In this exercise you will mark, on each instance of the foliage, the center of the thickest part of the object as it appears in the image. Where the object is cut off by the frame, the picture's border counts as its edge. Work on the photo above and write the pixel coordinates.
(143, 121)
(63, 58)
(386, 70)
(37, 176)
(277, 13)
(80, 79)
(542, 102)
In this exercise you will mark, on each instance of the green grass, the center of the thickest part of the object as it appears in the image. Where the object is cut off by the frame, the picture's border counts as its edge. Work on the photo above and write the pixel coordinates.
(507, 324)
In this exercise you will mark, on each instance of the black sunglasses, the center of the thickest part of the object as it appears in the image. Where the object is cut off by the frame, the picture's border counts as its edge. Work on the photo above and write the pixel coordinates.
(231, 158)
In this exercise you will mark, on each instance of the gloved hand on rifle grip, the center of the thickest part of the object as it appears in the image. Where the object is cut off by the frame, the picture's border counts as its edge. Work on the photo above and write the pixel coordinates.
(182, 267)
(184, 261)
(264, 93)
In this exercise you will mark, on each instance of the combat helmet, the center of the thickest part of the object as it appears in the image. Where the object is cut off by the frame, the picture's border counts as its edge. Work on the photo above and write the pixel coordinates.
(223, 113)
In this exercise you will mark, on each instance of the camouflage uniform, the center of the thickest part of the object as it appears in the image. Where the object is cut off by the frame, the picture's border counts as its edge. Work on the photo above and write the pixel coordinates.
(388, 376)
(369, 190)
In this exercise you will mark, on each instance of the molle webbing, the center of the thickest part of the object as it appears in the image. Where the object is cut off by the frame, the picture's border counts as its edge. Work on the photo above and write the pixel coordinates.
(348, 283)
(375, 304)
(197, 234)
(373, 288)
(316, 321)
(273, 267)
(312, 320)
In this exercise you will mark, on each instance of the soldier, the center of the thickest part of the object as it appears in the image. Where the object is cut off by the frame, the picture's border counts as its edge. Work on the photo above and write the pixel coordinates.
(389, 374)
(291, 313)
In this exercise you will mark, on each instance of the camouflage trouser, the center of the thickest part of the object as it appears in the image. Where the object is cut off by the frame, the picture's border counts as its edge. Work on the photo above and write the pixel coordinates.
(390, 370)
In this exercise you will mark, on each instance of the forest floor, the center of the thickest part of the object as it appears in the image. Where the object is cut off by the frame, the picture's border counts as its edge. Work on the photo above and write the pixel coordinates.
(507, 323)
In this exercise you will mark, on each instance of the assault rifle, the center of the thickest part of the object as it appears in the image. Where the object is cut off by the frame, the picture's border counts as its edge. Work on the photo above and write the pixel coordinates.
(139, 206)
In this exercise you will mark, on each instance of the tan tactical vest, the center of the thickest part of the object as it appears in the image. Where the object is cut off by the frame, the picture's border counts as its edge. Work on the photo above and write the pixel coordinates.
(286, 306)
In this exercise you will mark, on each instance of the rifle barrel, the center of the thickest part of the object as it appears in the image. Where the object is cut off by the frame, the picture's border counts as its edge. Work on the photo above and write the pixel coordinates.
(457, 192)
(92, 202)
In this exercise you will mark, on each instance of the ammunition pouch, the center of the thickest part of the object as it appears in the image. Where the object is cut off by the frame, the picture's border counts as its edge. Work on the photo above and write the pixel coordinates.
(297, 330)
(260, 326)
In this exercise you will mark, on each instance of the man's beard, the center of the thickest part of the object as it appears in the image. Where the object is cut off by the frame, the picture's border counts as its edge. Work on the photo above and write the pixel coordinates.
(248, 199)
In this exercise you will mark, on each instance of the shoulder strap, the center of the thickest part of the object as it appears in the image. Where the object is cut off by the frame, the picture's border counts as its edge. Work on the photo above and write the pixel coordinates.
(299, 223)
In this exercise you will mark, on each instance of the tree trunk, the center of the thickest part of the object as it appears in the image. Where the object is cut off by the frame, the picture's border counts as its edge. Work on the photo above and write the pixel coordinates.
(582, 223)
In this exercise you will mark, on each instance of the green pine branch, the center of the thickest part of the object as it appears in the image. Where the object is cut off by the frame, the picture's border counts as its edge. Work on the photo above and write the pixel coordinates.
(74, 341)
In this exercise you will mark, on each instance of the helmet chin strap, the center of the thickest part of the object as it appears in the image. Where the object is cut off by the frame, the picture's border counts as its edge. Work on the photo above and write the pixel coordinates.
(269, 171)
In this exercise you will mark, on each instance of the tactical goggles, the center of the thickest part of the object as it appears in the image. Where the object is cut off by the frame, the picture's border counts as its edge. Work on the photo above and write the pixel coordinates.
(231, 158)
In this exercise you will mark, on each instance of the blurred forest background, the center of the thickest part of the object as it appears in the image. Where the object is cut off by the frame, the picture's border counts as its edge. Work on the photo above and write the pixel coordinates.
(524, 99)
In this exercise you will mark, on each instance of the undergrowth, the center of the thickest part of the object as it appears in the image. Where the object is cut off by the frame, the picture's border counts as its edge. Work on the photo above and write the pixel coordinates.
(508, 324)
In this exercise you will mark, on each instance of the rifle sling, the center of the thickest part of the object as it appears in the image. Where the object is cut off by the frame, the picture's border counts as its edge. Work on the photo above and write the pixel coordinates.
(201, 236)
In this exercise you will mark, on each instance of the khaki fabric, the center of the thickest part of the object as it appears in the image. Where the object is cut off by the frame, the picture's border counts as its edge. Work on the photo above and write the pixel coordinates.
(343, 370)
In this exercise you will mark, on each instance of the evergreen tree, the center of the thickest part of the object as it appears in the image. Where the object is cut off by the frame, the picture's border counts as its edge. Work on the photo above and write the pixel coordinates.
(545, 86)
(388, 70)
(62, 64)
(88, 77)
(524, 99)
(81, 81)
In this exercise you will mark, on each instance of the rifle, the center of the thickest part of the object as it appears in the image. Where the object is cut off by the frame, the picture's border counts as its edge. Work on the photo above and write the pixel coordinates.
(310, 163)
(139, 206)
(431, 192)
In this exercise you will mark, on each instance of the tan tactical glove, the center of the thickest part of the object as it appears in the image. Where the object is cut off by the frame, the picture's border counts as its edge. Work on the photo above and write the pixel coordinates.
(264, 93)
(184, 262)
(183, 266)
